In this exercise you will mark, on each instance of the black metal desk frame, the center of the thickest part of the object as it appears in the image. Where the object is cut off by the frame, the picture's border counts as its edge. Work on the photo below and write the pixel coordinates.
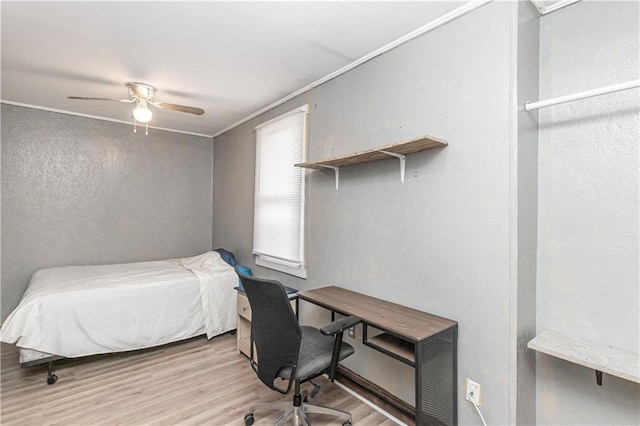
(434, 355)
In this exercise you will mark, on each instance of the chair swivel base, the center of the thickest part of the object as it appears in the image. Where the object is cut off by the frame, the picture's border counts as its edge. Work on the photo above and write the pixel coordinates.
(298, 413)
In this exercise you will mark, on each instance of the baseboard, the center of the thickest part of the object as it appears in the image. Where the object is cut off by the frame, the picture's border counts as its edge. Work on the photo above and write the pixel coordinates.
(377, 395)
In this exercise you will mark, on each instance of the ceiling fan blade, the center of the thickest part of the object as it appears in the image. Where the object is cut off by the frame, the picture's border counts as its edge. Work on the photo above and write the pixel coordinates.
(182, 108)
(99, 99)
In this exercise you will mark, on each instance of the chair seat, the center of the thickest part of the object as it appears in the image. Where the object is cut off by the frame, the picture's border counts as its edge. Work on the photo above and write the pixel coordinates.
(316, 351)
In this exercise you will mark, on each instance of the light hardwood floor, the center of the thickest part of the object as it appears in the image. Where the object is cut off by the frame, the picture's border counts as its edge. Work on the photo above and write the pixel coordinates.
(198, 381)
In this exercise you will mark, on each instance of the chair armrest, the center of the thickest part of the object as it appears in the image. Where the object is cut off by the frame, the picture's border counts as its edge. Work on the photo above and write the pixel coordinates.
(339, 325)
(336, 329)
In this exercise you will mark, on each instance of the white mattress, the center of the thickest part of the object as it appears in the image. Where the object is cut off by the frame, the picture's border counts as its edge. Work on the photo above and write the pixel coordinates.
(31, 355)
(86, 310)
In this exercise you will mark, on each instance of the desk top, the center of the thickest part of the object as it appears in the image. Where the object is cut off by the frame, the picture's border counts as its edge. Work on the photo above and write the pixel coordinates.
(406, 322)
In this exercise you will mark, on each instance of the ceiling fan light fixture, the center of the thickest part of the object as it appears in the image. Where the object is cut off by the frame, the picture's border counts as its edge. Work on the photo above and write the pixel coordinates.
(143, 94)
(142, 113)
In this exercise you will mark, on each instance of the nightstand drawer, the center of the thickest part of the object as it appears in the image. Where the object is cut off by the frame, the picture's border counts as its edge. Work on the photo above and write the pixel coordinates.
(244, 309)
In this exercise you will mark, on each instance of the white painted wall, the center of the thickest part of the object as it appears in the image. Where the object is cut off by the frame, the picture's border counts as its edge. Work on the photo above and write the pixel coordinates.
(588, 281)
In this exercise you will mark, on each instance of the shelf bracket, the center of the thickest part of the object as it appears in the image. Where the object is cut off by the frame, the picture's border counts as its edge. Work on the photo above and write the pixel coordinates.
(403, 160)
(336, 171)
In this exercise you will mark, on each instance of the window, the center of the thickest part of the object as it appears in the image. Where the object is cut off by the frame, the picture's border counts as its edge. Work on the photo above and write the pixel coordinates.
(278, 224)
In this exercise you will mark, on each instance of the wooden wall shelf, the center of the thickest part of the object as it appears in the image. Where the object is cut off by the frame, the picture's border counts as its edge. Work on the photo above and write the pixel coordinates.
(601, 358)
(397, 150)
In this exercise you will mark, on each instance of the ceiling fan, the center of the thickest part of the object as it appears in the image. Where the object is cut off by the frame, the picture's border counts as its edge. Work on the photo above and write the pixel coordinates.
(142, 94)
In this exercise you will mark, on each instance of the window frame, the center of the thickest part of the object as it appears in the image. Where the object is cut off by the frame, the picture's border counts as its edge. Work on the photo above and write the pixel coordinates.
(265, 260)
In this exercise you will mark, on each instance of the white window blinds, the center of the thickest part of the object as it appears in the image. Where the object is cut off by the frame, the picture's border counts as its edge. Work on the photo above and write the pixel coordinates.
(278, 232)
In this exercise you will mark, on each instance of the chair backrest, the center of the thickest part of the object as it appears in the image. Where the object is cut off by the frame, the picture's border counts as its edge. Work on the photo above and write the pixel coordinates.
(274, 328)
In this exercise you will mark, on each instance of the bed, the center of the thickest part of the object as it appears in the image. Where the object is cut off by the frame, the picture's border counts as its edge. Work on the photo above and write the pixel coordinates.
(77, 311)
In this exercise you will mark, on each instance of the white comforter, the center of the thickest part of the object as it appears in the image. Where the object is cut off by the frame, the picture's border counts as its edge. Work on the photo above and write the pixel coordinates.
(85, 310)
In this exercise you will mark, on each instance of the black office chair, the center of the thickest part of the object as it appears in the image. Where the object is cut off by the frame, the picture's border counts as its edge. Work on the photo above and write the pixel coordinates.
(289, 351)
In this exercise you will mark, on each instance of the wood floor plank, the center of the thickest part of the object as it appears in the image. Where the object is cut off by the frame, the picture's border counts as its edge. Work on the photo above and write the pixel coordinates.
(194, 382)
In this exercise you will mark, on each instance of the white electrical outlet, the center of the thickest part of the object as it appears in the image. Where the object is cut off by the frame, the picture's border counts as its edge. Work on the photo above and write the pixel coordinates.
(352, 332)
(472, 392)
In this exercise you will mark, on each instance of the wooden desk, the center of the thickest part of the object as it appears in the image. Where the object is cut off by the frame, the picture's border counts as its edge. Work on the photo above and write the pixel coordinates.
(424, 341)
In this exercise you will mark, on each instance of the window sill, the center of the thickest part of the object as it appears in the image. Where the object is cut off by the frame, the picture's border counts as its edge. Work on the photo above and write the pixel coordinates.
(296, 272)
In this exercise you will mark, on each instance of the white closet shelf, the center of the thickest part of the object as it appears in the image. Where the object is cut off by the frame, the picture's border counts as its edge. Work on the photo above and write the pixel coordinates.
(602, 358)
(398, 150)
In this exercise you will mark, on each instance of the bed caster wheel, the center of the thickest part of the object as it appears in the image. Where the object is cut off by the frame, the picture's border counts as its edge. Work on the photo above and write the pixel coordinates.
(248, 419)
(52, 379)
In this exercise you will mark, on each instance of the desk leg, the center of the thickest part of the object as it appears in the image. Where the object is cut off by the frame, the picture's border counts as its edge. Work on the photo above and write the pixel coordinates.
(437, 379)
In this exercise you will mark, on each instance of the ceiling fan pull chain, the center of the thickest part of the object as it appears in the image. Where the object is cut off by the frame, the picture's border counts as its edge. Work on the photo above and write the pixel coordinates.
(135, 126)
(146, 128)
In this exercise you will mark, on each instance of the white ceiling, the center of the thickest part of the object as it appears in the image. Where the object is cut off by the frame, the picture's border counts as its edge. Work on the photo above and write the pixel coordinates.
(229, 58)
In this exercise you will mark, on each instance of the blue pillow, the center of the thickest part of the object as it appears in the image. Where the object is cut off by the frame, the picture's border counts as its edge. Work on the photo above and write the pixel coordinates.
(245, 271)
(227, 256)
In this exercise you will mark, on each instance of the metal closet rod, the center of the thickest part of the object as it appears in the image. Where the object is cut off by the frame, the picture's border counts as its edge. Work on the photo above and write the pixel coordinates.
(528, 106)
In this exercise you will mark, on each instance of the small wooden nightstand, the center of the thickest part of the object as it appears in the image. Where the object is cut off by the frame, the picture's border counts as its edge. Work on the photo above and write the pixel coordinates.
(244, 318)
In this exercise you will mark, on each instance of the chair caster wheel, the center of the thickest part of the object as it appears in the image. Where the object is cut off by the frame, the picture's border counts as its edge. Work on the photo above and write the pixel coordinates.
(248, 420)
(347, 423)
(52, 379)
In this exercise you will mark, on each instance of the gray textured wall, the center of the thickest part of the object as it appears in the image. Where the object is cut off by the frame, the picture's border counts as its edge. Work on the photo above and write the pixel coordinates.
(589, 195)
(438, 243)
(82, 191)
